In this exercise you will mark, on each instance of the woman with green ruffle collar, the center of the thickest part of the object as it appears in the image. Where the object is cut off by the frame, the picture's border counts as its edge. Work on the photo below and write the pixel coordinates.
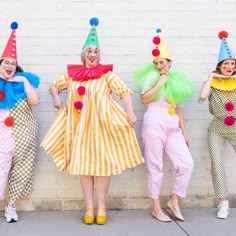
(163, 129)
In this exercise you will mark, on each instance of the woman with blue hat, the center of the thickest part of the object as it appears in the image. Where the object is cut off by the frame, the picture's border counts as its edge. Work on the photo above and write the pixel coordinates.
(220, 89)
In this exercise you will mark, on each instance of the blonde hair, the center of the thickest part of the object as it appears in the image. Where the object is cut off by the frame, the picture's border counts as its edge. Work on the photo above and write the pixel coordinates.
(84, 51)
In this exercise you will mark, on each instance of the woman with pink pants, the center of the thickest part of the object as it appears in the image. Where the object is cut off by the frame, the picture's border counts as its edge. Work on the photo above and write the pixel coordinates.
(6, 151)
(163, 129)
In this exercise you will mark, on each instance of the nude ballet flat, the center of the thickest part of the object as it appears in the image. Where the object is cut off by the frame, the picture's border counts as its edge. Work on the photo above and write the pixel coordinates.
(176, 212)
(161, 216)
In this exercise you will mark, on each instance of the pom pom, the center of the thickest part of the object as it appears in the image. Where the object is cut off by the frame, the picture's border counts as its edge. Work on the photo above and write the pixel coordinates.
(14, 25)
(158, 30)
(9, 121)
(78, 105)
(229, 120)
(2, 95)
(171, 111)
(155, 52)
(223, 34)
(94, 21)
(156, 40)
(81, 90)
(169, 101)
(229, 106)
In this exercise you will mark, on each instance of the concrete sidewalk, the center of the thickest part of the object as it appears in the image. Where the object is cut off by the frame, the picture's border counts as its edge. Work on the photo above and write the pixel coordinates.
(198, 222)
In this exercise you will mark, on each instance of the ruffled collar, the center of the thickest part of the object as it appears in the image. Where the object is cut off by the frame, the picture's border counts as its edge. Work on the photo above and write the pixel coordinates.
(224, 84)
(3, 80)
(82, 73)
(12, 92)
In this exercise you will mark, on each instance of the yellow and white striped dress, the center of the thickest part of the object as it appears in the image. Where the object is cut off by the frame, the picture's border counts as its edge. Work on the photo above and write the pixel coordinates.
(96, 140)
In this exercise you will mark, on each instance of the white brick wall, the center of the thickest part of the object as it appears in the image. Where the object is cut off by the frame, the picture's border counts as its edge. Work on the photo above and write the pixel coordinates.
(51, 34)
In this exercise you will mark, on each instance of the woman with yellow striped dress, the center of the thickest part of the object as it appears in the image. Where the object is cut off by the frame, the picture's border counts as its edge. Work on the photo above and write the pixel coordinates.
(93, 136)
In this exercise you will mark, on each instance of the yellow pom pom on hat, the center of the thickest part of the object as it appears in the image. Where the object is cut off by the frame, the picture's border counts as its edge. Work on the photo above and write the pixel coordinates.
(161, 50)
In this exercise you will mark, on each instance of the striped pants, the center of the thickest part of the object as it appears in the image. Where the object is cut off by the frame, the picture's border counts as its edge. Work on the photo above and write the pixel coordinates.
(216, 145)
(161, 134)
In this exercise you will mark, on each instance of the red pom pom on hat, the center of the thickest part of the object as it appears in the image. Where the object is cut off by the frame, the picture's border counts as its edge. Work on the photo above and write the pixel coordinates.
(223, 34)
(156, 40)
(155, 52)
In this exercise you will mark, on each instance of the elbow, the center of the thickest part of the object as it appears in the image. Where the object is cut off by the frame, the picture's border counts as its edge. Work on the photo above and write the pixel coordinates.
(204, 95)
(202, 98)
(144, 100)
(35, 101)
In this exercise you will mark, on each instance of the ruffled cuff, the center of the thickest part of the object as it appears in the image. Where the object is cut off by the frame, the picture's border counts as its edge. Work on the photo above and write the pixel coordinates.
(125, 92)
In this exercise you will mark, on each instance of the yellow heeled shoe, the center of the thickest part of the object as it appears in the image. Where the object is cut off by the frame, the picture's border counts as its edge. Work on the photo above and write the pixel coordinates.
(88, 219)
(101, 219)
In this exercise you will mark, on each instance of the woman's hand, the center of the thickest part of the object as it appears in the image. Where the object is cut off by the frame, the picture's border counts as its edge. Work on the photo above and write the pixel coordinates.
(163, 80)
(187, 140)
(18, 79)
(219, 76)
(56, 98)
(148, 96)
(129, 110)
(57, 102)
(131, 118)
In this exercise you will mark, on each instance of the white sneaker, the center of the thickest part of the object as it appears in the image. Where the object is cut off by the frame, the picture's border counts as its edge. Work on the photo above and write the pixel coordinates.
(10, 214)
(223, 211)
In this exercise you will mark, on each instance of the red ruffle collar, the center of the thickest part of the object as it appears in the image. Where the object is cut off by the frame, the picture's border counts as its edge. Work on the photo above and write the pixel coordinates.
(82, 73)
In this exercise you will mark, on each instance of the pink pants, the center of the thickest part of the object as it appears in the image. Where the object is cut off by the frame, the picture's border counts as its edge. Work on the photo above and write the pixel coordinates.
(161, 134)
(7, 147)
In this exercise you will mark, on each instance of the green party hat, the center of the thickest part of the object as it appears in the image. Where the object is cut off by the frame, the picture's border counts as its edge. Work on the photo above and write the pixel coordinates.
(92, 38)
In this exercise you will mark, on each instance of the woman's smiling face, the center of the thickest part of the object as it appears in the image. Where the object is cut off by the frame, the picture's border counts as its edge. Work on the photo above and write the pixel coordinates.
(228, 67)
(8, 68)
(162, 65)
(92, 56)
